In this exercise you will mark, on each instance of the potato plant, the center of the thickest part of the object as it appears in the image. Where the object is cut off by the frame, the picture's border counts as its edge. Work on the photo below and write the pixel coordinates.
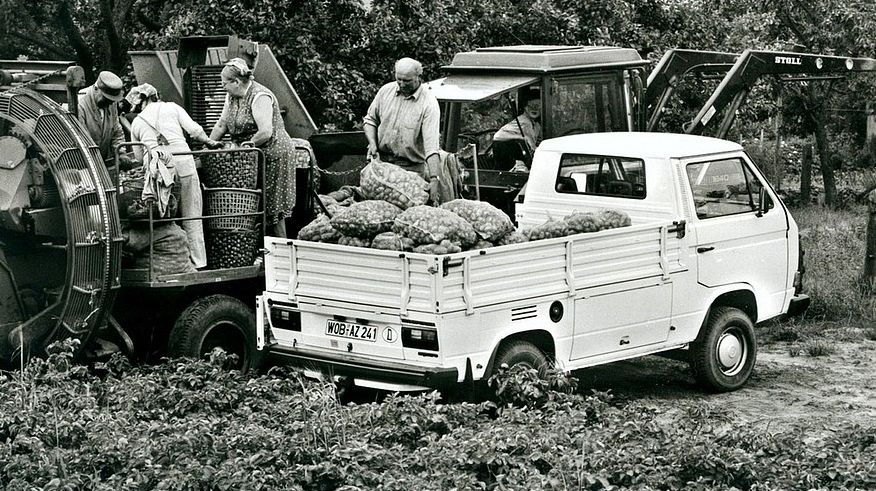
(197, 425)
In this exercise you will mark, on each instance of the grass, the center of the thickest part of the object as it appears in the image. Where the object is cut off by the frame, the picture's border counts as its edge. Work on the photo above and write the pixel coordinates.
(818, 347)
(834, 244)
(843, 307)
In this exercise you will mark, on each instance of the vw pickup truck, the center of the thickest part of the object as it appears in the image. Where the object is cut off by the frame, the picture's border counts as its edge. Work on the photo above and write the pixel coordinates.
(711, 252)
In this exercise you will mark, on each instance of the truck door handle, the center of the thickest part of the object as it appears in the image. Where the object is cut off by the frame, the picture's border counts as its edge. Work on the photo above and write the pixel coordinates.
(705, 249)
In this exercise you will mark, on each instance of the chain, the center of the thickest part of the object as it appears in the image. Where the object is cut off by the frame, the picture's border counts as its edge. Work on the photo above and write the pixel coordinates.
(35, 81)
(340, 173)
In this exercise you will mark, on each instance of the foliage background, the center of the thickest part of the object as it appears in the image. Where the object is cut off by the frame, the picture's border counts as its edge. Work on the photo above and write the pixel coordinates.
(338, 52)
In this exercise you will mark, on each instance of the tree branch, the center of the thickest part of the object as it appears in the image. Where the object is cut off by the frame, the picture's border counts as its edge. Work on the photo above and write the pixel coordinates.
(40, 41)
(64, 16)
(147, 21)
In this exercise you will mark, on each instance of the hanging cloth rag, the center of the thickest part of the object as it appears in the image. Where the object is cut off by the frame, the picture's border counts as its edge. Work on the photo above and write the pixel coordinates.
(158, 179)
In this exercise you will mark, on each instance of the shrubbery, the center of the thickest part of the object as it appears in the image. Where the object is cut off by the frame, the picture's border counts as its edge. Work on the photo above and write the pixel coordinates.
(196, 425)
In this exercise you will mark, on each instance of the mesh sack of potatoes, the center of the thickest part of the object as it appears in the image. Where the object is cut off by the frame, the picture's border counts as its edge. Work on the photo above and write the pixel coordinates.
(392, 241)
(580, 222)
(365, 219)
(428, 225)
(515, 237)
(548, 230)
(346, 195)
(319, 230)
(614, 219)
(488, 221)
(327, 200)
(354, 241)
(389, 182)
(444, 247)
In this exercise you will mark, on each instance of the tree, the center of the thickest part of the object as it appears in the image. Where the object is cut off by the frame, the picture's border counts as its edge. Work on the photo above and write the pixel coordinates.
(96, 31)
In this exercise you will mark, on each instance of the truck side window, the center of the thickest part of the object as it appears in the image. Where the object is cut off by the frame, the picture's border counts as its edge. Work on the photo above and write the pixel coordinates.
(601, 176)
(723, 187)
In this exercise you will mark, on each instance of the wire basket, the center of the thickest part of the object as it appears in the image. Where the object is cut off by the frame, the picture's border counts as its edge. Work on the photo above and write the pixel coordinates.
(231, 248)
(231, 170)
(227, 201)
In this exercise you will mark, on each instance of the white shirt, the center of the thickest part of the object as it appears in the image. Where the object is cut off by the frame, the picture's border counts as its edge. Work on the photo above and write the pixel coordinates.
(172, 122)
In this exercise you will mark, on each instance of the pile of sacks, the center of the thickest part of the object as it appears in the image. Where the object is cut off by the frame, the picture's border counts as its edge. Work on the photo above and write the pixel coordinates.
(388, 211)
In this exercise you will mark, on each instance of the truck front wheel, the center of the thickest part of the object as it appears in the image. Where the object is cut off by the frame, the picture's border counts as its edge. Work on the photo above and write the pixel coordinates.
(521, 353)
(722, 358)
(216, 321)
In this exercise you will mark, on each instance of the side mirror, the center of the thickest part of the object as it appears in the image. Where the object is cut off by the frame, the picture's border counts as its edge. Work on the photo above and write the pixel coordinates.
(765, 203)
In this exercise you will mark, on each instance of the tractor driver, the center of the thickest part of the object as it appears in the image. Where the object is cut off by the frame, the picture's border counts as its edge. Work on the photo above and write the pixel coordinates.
(516, 141)
(99, 114)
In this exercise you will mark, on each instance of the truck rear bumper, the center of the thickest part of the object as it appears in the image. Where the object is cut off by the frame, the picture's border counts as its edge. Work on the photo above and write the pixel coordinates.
(798, 304)
(357, 367)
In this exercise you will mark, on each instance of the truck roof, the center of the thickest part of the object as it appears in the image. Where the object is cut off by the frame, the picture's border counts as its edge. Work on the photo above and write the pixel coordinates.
(542, 59)
(640, 145)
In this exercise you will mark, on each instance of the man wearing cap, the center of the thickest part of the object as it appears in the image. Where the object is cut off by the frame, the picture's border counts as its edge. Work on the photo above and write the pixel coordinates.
(100, 115)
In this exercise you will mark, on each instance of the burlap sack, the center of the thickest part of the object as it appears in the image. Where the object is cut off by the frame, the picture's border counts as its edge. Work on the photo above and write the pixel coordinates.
(579, 222)
(392, 241)
(428, 225)
(354, 241)
(547, 230)
(488, 221)
(614, 219)
(389, 182)
(365, 219)
(319, 230)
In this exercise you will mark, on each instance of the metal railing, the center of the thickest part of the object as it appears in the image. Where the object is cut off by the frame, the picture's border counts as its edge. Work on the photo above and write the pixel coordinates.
(152, 221)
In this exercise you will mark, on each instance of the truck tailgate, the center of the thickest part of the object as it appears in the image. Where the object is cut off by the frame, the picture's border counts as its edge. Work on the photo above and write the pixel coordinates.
(402, 283)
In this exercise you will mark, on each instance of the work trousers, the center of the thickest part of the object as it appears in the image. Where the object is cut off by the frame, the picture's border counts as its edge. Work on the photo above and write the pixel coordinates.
(191, 205)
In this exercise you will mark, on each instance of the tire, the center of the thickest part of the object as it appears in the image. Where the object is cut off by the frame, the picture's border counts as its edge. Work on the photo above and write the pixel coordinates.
(216, 321)
(723, 356)
(520, 353)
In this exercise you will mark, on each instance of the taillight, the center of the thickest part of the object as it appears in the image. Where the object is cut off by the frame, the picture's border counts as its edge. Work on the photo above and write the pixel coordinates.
(420, 338)
(283, 317)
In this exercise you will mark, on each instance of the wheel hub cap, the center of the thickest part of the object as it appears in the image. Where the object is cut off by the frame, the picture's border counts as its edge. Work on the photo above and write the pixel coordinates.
(729, 351)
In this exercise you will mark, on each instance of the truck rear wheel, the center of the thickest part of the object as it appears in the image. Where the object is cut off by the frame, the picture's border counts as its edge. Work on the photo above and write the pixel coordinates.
(521, 353)
(723, 356)
(217, 321)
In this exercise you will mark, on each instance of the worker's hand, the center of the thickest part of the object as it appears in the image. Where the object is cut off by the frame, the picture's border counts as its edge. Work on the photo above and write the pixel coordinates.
(127, 163)
(213, 144)
(372, 151)
(434, 195)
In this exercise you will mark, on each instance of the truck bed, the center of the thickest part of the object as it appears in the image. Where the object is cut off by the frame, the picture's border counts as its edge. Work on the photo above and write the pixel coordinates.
(400, 283)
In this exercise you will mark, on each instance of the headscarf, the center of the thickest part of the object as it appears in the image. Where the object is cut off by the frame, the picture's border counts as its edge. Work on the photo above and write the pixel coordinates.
(140, 92)
(240, 67)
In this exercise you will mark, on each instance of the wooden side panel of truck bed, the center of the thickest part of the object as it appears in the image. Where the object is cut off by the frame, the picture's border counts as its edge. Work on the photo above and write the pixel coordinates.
(400, 283)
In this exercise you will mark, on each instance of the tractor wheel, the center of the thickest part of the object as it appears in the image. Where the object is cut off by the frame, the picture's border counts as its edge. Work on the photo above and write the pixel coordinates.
(217, 321)
(520, 353)
(722, 358)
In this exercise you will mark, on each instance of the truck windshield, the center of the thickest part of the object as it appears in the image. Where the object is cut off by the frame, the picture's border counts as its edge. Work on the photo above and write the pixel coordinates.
(588, 104)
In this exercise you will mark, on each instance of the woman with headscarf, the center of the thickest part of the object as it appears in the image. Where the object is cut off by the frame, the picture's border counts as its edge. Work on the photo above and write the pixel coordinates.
(161, 126)
(251, 113)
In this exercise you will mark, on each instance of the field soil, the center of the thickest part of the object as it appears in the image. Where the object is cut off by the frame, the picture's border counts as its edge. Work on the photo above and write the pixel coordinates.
(785, 393)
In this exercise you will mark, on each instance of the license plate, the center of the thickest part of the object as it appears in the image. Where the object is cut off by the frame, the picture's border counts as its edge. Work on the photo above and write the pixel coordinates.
(349, 330)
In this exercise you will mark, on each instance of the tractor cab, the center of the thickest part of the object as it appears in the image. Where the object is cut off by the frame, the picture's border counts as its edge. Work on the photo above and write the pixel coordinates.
(580, 89)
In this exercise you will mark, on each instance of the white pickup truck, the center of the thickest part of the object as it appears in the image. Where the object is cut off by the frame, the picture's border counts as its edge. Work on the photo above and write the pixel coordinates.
(711, 251)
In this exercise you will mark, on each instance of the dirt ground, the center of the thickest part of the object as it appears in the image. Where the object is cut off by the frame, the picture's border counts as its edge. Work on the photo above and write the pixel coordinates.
(784, 393)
